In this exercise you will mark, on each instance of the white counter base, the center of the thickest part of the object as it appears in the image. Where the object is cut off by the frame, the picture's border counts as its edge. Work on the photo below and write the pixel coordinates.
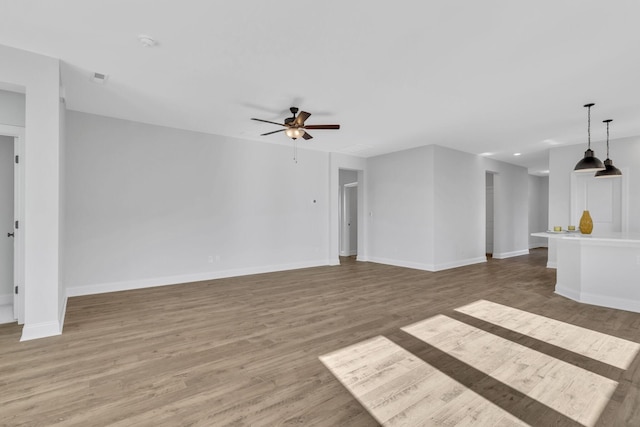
(600, 270)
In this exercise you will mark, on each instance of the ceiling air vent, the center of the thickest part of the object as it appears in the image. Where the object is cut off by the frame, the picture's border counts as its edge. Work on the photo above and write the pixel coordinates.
(99, 78)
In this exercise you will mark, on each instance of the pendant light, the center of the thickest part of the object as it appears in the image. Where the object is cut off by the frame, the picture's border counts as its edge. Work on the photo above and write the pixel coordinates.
(610, 171)
(590, 163)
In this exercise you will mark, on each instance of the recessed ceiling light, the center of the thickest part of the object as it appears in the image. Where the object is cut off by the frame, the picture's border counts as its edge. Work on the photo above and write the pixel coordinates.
(146, 41)
(517, 154)
(545, 171)
(486, 154)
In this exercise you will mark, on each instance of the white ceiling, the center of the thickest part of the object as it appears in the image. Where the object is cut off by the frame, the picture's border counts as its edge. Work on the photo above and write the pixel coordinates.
(478, 76)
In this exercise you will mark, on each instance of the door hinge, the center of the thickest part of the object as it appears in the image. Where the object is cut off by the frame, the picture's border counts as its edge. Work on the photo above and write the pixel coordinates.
(16, 290)
(17, 225)
(17, 159)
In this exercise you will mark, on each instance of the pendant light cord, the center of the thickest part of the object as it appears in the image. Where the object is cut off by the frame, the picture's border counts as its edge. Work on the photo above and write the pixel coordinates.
(607, 140)
(607, 122)
(589, 126)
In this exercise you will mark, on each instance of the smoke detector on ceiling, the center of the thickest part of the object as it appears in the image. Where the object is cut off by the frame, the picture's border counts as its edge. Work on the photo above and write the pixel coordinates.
(146, 41)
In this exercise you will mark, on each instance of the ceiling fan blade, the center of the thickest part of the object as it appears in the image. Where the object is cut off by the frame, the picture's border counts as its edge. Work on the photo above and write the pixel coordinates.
(302, 116)
(267, 121)
(322, 127)
(307, 136)
(275, 131)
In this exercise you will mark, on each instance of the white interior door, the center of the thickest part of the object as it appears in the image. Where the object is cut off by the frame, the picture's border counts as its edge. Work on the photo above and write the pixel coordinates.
(6, 227)
(352, 218)
(12, 144)
(603, 198)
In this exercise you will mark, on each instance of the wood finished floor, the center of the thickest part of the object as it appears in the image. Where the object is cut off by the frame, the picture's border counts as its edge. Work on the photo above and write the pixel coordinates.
(244, 351)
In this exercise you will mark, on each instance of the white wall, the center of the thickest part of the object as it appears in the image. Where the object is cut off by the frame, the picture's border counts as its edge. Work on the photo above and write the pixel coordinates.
(148, 205)
(538, 209)
(428, 208)
(39, 76)
(12, 108)
(459, 208)
(400, 194)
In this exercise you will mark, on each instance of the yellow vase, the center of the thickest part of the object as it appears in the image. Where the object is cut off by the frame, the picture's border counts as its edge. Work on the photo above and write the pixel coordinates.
(586, 223)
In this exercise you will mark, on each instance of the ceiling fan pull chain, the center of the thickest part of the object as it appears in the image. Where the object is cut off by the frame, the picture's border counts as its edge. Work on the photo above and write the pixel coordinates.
(295, 150)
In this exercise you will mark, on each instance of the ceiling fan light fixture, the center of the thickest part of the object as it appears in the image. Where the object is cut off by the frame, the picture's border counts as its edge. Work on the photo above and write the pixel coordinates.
(294, 133)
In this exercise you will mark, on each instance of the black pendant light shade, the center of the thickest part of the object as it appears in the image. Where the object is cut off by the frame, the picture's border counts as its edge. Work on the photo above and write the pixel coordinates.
(609, 171)
(589, 163)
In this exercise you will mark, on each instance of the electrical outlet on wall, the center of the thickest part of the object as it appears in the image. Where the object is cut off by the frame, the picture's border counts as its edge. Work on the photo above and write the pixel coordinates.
(210, 259)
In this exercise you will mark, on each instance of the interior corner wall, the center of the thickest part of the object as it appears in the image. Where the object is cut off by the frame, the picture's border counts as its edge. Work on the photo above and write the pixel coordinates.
(459, 209)
(40, 77)
(400, 208)
(149, 205)
(538, 209)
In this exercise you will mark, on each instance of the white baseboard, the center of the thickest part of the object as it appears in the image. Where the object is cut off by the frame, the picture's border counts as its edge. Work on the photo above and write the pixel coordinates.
(101, 288)
(503, 255)
(536, 246)
(599, 300)
(428, 267)
(552, 264)
(63, 310)
(460, 263)
(401, 263)
(40, 330)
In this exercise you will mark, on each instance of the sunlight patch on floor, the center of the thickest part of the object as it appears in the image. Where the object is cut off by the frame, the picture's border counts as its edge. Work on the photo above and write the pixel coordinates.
(398, 388)
(568, 389)
(605, 348)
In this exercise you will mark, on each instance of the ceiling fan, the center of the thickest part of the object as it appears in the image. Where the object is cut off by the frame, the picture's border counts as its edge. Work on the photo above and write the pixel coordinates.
(294, 126)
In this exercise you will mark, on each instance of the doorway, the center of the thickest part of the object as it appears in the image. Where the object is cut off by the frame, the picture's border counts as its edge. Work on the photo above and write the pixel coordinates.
(12, 192)
(350, 220)
(348, 208)
(490, 209)
(7, 185)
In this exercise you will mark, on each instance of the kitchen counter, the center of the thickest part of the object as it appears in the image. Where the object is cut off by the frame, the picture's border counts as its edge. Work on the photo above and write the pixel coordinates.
(600, 269)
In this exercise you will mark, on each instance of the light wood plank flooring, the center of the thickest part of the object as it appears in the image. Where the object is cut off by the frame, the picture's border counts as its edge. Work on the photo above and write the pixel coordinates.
(244, 351)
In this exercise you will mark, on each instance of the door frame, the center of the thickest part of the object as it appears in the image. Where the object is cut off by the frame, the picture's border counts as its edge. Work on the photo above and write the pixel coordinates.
(345, 235)
(18, 134)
